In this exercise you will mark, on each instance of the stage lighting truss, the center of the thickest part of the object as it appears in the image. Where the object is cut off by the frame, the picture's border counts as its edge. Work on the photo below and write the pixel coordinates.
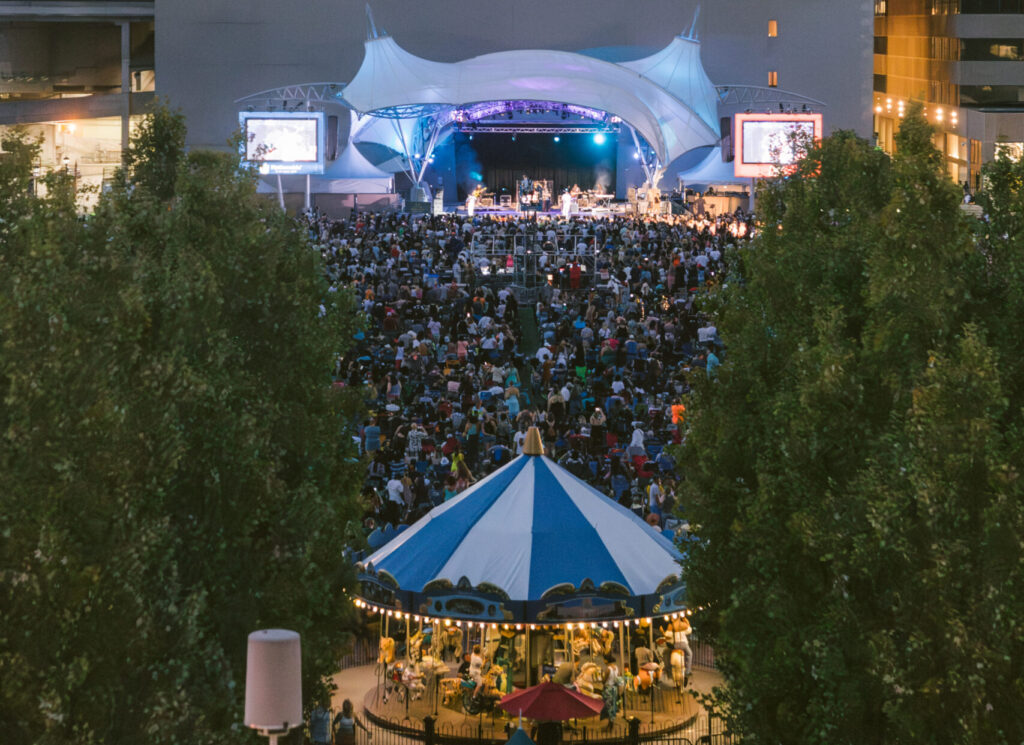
(758, 96)
(510, 109)
(293, 97)
(519, 129)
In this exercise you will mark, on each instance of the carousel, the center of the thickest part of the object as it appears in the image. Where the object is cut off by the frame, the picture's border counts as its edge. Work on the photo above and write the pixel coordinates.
(527, 577)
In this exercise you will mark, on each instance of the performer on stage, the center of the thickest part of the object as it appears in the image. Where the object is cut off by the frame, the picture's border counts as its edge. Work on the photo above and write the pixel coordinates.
(525, 187)
(654, 200)
(566, 203)
(471, 201)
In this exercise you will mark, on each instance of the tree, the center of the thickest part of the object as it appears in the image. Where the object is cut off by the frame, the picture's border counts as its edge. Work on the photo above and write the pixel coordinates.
(176, 469)
(853, 471)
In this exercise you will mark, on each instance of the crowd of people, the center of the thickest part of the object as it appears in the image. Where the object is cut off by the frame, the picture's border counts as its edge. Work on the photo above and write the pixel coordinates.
(598, 351)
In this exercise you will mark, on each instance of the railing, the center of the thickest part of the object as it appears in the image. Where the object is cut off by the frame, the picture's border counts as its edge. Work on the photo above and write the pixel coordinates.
(703, 653)
(661, 715)
(363, 653)
(480, 730)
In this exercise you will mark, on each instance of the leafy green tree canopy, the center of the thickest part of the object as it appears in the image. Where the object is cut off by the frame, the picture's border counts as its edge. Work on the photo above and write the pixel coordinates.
(853, 471)
(176, 469)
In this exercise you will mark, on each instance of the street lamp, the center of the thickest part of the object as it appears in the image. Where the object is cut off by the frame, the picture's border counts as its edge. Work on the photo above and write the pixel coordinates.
(65, 161)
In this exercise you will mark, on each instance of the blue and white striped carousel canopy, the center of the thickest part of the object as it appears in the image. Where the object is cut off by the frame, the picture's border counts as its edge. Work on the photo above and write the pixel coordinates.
(526, 528)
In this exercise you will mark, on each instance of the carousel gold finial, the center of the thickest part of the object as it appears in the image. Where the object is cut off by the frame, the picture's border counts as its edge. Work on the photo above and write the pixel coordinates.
(533, 444)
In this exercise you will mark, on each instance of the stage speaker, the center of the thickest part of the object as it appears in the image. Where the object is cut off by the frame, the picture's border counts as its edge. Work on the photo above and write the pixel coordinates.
(332, 137)
(725, 127)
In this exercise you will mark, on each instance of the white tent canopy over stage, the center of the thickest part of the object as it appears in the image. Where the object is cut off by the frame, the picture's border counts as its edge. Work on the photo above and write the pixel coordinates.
(666, 99)
(530, 543)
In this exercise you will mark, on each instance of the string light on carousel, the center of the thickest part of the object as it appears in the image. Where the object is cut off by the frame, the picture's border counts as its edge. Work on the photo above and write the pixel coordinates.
(536, 576)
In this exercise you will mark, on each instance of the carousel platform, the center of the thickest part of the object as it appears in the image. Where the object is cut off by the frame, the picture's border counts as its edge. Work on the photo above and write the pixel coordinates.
(667, 712)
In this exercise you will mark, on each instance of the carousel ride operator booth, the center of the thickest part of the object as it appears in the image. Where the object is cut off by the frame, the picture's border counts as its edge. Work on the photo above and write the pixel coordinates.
(529, 575)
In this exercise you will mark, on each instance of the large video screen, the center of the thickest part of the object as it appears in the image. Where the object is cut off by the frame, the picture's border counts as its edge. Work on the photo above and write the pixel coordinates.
(284, 142)
(764, 142)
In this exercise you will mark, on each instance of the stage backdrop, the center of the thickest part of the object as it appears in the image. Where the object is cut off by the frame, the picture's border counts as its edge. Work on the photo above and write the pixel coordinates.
(500, 162)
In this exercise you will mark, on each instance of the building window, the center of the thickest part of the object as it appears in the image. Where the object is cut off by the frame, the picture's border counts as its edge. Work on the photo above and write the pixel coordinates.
(881, 8)
(945, 48)
(773, 28)
(991, 6)
(773, 78)
(944, 7)
(1011, 150)
(881, 81)
(992, 95)
(992, 50)
(881, 45)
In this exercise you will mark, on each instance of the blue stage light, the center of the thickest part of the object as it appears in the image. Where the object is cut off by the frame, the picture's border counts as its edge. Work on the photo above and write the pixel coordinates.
(557, 138)
(599, 138)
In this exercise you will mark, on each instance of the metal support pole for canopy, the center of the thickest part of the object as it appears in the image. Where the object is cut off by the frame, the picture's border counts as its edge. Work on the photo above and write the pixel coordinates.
(410, 170)
(623, 652)
(436, 125)
(280, 191)
(648, 171)
(306, 203)
(529, 658)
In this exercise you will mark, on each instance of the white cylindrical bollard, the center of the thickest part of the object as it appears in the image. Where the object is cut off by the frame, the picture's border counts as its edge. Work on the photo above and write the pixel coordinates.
(273, 680)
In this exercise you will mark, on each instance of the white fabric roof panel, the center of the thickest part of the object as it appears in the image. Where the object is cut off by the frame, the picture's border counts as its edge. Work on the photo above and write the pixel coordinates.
(677, 68)
(712, 170)
(391, 77)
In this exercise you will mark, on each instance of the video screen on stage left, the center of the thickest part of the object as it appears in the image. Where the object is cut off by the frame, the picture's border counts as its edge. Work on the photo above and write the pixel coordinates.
(284, 142)
(766, 143)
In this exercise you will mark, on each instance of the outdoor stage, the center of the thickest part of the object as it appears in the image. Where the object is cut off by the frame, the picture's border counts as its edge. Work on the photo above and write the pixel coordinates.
(672, 712)
(615, 208)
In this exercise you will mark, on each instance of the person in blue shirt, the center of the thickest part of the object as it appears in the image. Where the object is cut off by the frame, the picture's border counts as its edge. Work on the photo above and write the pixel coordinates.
(371, 436)
(320, 725)
(712, 363)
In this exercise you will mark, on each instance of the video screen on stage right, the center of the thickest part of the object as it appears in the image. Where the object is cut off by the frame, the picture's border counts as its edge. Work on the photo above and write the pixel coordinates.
(767, 142)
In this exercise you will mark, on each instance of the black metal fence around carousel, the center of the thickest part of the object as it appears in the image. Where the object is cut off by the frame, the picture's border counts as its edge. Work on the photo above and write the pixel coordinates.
(700, 730)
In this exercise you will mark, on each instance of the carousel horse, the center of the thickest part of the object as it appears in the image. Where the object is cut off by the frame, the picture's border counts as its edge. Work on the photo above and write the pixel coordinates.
(590, 681)
(437, 645)
(648, 670)
(394, 682)
(476, 699)
(415, 644)
(387, 666)
(602, 642)
(453, 641)
(581, 641)
(673, 660)
(433, 665)
(412, 679)
(387, 651)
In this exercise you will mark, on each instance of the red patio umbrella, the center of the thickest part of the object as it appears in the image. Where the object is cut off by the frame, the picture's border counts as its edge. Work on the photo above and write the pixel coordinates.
(551, 702)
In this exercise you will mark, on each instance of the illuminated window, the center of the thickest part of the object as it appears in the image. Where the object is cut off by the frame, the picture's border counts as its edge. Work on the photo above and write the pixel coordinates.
(773, 78)
(881, 8)
(1011, 150)
(773, 28)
